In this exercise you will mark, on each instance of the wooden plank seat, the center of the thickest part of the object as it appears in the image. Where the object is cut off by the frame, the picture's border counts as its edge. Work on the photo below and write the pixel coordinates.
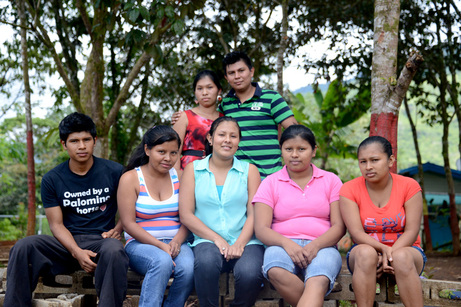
(434, 291)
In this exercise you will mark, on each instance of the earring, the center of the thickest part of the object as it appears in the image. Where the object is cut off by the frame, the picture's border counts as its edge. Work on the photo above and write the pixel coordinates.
(219, 99)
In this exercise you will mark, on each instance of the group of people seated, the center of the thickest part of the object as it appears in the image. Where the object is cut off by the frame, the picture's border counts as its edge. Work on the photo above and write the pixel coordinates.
(192, 205)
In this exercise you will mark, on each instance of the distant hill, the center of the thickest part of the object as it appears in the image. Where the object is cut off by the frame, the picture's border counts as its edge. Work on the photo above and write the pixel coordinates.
(308, 89)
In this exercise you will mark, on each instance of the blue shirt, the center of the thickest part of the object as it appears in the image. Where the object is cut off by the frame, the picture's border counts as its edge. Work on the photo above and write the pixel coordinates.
(225, 216)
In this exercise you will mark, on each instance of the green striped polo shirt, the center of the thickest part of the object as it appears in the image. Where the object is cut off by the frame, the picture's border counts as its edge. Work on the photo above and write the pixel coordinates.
(258, 118)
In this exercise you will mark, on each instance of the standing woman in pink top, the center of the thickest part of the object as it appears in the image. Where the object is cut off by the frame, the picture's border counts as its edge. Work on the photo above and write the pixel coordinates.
(193, 125)
(297, 216)
(382, 212)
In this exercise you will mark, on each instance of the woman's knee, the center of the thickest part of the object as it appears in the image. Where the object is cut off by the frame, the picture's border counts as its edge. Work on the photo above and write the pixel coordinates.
(185, 267)
(206, 255)
(364, 256)
(277, 274)
(403, 261)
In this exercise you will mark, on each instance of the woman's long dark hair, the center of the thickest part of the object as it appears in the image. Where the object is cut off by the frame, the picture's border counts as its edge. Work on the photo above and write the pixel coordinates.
(154, 136)
(214, 125)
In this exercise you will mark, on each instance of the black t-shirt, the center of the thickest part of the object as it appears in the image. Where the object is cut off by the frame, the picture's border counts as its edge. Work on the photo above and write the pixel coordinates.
(88, 202)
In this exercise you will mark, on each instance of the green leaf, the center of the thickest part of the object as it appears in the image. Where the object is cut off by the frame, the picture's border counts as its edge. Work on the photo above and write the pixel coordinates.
(318, 96)
(155, 51)
(128, 5)
(169, 12)
(133, 15)
(333, 97)
(178, 27)
(150, 50)
(300, 117)
(139, 36)
(145, 13)
(160, 12)
(301, 99)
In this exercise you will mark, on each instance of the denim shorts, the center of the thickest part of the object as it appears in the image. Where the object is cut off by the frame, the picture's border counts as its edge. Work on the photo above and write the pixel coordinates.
(416, 247)
(327, 262)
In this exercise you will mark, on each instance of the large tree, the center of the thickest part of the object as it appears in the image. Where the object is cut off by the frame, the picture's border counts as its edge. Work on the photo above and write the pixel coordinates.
(84, 37)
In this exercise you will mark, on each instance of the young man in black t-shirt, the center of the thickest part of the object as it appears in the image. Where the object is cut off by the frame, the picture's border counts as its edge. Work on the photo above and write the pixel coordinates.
(80, 200)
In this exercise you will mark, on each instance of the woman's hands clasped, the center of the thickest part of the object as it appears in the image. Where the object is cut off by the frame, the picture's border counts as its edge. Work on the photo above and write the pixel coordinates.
(229, 252)
(301, 256)
(387, 260)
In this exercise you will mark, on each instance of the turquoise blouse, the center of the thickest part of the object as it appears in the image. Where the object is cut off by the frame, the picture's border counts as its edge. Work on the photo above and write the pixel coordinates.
(225, 216)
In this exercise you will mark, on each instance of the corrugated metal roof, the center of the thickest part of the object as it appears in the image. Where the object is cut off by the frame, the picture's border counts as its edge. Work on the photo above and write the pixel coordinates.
(432, 168)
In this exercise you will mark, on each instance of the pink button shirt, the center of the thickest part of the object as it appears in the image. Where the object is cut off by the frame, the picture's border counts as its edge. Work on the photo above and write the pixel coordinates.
(300, 213)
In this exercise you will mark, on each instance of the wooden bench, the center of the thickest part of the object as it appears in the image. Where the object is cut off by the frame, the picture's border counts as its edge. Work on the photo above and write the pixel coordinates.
(434, 291)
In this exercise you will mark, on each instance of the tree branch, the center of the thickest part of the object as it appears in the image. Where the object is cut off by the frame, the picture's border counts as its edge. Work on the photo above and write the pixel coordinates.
(14, 25)
(218, 33)
(145, 57)
(406, 76)
(86, 20)
(42, 35)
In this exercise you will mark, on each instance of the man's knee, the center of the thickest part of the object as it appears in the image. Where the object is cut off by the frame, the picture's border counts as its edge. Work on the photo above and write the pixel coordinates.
(113, 249)
(26, 243)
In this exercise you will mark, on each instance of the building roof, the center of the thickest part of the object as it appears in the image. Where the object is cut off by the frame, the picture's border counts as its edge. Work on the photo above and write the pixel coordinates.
(430, 168)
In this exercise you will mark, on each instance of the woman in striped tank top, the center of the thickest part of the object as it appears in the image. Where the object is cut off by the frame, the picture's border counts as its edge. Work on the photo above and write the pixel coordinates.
(148, 205)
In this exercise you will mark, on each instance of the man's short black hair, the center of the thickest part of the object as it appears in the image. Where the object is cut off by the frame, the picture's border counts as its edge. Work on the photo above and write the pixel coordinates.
(76, 122)
(234, 57)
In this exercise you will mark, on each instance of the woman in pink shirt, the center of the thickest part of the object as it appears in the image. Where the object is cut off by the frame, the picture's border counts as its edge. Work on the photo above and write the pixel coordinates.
(382, 212)
(297, 216)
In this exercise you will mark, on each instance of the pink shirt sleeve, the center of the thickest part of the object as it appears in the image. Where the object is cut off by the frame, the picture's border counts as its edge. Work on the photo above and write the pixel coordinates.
(265, 193)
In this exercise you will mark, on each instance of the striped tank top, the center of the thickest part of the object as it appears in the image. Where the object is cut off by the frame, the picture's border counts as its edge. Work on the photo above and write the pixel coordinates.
(158, 218)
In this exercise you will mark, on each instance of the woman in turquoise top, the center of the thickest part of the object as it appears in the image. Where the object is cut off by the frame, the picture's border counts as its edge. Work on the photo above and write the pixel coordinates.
(215, 204)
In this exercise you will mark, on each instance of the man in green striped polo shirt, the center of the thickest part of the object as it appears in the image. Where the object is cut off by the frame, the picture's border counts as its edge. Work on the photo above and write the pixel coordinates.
(258, 112)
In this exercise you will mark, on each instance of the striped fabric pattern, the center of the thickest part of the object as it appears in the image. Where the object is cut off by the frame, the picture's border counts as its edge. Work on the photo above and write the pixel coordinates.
(158, 218)
(258, 118)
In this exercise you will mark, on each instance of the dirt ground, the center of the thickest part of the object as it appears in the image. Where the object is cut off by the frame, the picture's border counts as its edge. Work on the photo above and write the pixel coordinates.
(440, 266)
(443, 267)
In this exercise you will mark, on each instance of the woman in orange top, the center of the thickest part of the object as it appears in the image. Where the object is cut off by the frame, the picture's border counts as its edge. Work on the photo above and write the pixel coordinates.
(382, 212)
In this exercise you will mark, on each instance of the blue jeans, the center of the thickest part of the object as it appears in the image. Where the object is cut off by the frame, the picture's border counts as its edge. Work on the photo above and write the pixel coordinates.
(157, 268)
(327, 262)
(209, 264)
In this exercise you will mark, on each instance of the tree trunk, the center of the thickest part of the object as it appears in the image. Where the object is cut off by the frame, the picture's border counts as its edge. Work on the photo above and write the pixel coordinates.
(450, 183)
(281, 52)
(92, 89)
(29, 129)
(384, 117)
(453, 86)
(427, 232)
(387, 92)
(282, 47)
